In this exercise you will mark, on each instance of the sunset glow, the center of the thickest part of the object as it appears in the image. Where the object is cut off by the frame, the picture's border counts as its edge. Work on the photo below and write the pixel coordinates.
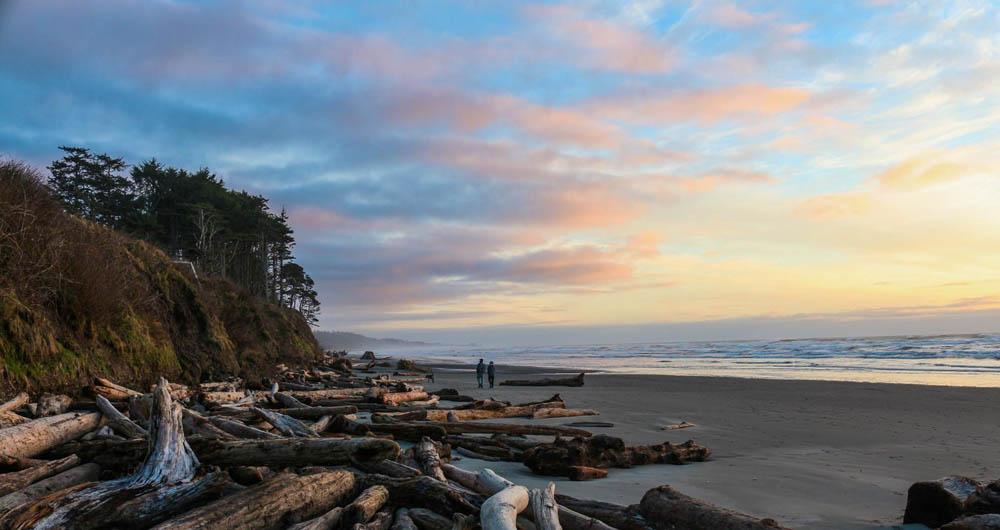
(490, 166)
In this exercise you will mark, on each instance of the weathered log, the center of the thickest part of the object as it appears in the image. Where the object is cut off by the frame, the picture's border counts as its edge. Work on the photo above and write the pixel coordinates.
(118, 421)
(112, 394)
(426, 455)
(37, 436)
(461, 427)
(107, 383)
(542, 414)
(312, 395)
(52, 404)
(18, 401)
(10, 419)
(581, 473)
(67, 479)
(410, 431)
(597, 424)
(163, 503)
(426, 492)
(269, 504)
(605, 451)
(320, 426)
(975, 522)
(327, 521)
(937, 502)
(428, 520)
(486, 447)
(288, 401)
(486, 482)
(470, 453)
(241, 430)
(343, 424)
(621, 517)
(395, 398)
(286, 424)
(389, 468)
(249, 475)
(382, 520)
(511, 411)
(432, 401)
(666, 508)
(364, 506)
(566, 381)
(544, 510)
(403, 521)
(10, 482)
(279, 452)
(196, 424)
(499, 512)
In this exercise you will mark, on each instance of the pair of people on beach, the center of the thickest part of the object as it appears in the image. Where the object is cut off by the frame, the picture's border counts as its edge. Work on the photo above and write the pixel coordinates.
(483, 369)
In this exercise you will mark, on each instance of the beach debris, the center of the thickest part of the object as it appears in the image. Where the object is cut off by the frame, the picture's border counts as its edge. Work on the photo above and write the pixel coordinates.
(676, 426)
(576, 380)
(975, 522)
(664, 503)
(603, 451)
(937, 502)
(297, 455)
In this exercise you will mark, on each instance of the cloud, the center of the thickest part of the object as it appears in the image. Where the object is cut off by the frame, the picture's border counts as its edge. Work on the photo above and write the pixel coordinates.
(601, 44)
(921, 171)
(704, 105)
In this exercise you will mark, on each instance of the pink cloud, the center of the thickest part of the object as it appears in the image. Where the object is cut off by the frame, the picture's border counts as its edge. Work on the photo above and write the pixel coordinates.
(583, 265)
(705, 105)
(602, 44)
(711, 180)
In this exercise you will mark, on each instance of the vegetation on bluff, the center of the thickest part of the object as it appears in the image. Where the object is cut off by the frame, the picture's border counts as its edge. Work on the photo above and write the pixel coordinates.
(78, 299)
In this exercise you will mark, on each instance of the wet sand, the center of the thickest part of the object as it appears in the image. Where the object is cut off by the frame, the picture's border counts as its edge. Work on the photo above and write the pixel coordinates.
(811, 454)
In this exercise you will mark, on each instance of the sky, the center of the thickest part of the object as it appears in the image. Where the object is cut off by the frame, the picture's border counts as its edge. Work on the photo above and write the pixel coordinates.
(534, 172)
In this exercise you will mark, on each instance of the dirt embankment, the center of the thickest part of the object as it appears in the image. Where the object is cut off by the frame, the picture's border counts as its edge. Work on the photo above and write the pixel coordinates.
(79, 300)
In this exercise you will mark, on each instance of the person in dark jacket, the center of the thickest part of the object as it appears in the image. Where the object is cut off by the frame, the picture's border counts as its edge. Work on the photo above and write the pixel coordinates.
(480, 372)
(491, 371)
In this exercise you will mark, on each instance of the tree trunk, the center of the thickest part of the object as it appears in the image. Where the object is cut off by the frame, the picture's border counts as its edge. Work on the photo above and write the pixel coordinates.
(10, 482)
(395, 398)
(544, 509)
(499, 512)
(410, 431)
(37, 436)
(381, 521)
(937, 502)
(270, 504)
(288, 401)
(460, 427)
(566, 381)
(666, 508)
(512, 411)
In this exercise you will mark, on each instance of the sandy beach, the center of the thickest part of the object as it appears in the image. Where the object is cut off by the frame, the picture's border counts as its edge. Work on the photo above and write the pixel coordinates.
(811, 454)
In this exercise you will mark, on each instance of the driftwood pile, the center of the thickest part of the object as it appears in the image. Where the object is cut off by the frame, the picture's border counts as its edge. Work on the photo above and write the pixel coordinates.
(954, 503)
(326, 447)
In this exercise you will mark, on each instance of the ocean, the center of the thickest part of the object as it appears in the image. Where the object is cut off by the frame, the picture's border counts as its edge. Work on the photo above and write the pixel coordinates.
(952, 360)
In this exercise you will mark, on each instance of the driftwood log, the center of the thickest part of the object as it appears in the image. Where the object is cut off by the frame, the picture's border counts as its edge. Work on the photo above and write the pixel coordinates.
(975, 522)
(602, 451)
(576, 380)
(499, 512)
(268, 504)
(37, 436)
(67, 479)
(11, 482)
(666, 508)
(544, 509)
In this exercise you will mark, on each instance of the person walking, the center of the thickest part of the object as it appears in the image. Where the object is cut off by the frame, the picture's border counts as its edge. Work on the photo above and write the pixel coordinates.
(491, 371)
(480, 372)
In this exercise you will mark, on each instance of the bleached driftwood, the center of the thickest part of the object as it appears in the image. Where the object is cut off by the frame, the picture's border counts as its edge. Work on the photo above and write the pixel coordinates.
(576, 380)
(241, 430)
(37, 436)
(542, 414)
(118, 421)
(286, 424)
(666, 505)
(268, 504)
(427, 457)
(499, 512)
(67, 479)
(10, 482)
(18, 401)
(544, 509)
